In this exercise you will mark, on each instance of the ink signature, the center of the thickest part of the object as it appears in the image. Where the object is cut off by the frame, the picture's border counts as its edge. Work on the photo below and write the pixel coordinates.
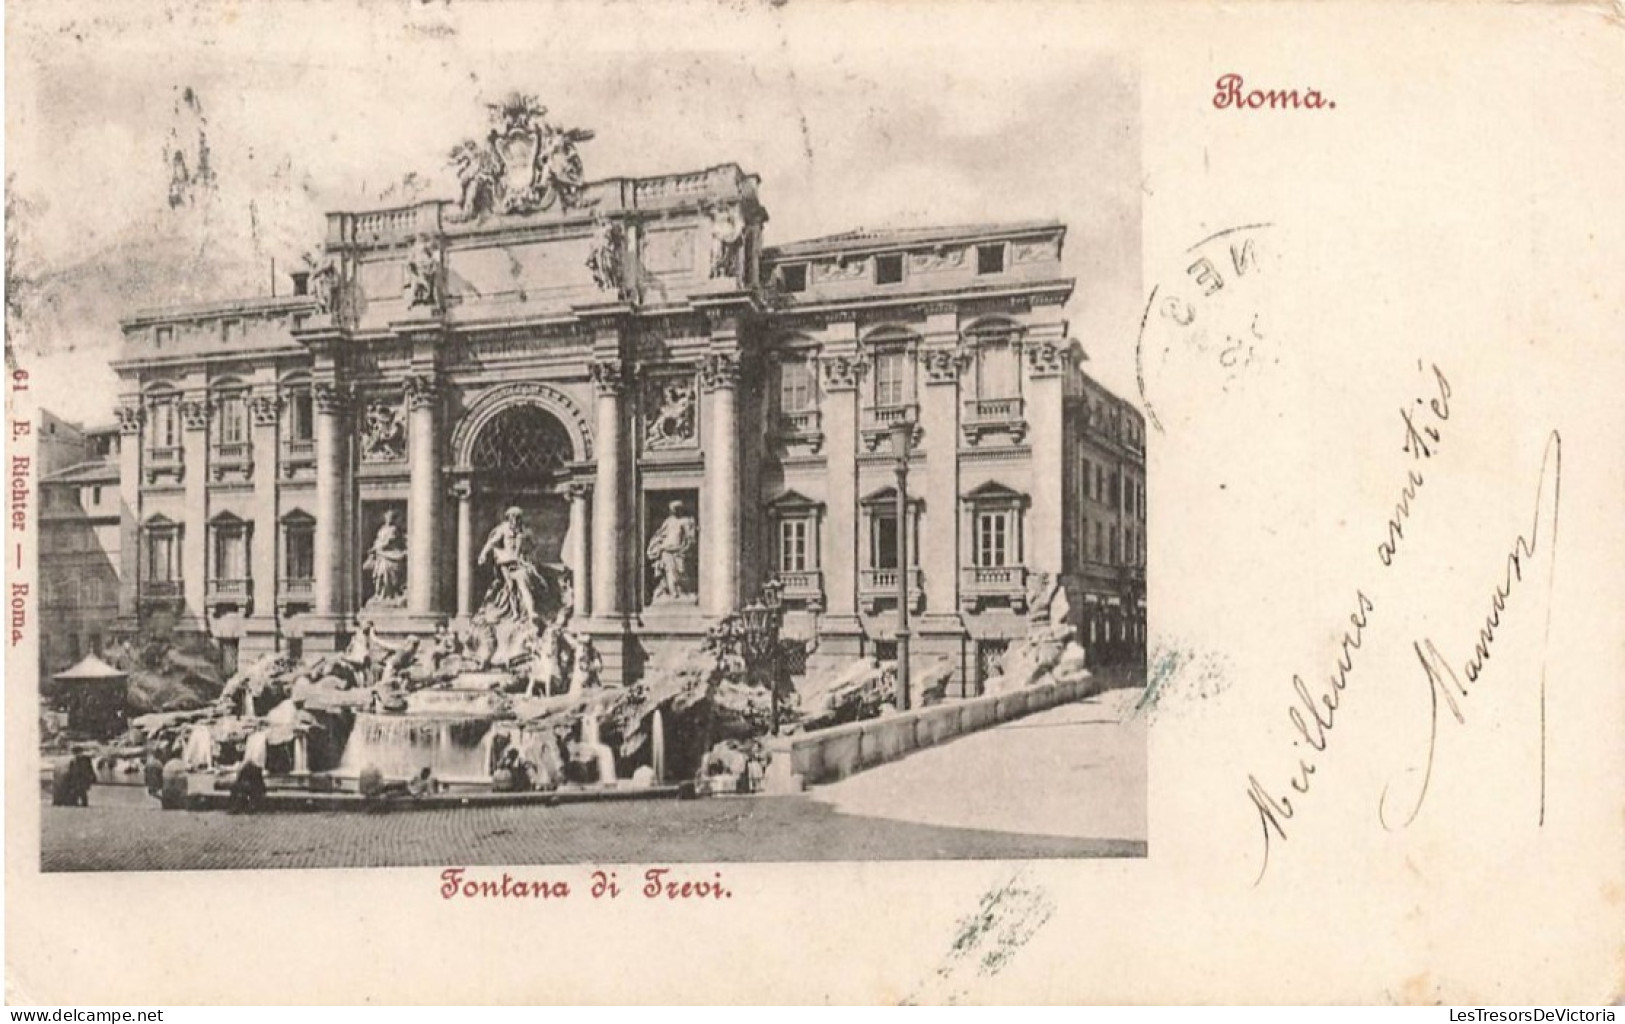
(1440, 674)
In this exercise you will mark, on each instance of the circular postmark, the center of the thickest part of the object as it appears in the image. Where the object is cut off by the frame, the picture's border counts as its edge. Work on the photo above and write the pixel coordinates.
(1206, 327)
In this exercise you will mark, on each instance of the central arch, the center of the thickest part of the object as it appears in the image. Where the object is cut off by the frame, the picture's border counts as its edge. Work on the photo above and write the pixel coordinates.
(529, 394)
(519, 446)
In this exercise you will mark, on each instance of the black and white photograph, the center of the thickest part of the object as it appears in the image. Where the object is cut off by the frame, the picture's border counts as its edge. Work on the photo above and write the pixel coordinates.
(616, 465)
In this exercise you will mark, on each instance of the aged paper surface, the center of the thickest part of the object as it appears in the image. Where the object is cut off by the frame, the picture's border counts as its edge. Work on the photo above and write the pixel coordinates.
(1366, 295)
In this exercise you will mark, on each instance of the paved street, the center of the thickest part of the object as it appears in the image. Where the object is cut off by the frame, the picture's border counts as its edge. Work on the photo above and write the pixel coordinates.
(1067, 782)
(1075, 771)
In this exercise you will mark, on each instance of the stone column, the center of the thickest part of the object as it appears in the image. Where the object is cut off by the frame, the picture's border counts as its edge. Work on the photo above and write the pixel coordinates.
(1048, 355)
(131, 421)
(194, 411)
(462, 491)
(720, 546)
(580, 547)
(841, 370)
(423, 506)
(609, 526)
(331, 456)
(263, 542)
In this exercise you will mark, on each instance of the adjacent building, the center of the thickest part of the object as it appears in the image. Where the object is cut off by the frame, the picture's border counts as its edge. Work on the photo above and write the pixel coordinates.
(79, 536)
(674, 409)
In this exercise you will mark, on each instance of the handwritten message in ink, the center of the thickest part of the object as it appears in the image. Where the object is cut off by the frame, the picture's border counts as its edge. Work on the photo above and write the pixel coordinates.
(1313, 705)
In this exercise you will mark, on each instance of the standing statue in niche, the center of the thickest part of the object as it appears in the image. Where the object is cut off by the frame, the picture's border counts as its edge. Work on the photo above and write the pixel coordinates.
(519, 591)
(607, 259)
(386, 562)
(422, 284)
(671, 551)
(324, 282)
(727, 241)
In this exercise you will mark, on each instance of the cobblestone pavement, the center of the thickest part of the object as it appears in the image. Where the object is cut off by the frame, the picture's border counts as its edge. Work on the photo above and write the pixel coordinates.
(1073, 772)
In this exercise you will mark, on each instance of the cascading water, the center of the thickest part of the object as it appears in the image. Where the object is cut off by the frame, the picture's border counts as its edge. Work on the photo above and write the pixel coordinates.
(254, 750)
(453, 748)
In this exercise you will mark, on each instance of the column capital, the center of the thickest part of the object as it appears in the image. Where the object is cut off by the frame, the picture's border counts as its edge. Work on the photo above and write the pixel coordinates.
(461, 488)
(264, 407)
(843, 372)
(720, 370)
(608, 376)
(943, 365)
(1050, 358)
(578, 490)
(130, 417)
(194, 410)
(421, 390)
(330, 397)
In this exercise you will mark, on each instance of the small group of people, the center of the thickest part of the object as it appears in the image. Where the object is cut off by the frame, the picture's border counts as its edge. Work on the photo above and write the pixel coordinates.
(165, 774)
(71, 780)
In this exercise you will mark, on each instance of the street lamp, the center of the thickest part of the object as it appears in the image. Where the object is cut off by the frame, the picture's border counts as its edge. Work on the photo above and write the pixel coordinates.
(760, 621)
(902, 438)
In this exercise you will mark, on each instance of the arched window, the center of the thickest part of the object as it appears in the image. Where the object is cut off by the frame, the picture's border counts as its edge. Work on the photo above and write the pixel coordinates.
(524, 441)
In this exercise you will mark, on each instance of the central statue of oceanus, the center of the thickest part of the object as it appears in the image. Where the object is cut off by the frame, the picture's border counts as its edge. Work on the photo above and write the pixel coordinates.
(525, 165)
(521, 592)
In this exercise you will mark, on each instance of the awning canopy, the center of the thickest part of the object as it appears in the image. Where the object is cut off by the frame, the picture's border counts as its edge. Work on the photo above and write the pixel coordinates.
(91, 669)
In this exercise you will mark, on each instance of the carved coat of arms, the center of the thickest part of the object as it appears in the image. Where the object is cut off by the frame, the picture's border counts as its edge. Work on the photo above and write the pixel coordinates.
(525, 165)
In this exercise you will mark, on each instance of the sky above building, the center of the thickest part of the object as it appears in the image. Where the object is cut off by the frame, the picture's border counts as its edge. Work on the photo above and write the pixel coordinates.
(168, 154)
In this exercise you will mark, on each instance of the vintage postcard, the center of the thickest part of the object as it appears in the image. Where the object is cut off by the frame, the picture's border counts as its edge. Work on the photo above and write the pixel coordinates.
(879, 502)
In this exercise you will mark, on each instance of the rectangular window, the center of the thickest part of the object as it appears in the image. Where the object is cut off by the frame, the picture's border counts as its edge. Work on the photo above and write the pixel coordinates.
(1100, 541)
(990, 259)
(161, 432)
(1116, 549)
(993, 539)
(299, 562)
(891, 369)
(301, 418)
(230, 553)
(1088, 491)
(794, 277)
(163, 336)
(233, 419)
(796, 386)
(163, 556)
(793, 547)
(96, 495)
(883, 542)
(889, 269)
(998, 374)
(1100, 483)
(231, 330)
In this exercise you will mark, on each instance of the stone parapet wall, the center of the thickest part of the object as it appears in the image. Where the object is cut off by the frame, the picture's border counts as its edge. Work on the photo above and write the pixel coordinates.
(835, 753)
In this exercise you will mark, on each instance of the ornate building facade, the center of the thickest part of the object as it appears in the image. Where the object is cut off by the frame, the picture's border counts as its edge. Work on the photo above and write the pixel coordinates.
(666, 409)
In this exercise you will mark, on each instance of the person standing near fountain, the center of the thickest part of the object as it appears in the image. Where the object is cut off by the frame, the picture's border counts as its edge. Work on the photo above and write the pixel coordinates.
(519, 587)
